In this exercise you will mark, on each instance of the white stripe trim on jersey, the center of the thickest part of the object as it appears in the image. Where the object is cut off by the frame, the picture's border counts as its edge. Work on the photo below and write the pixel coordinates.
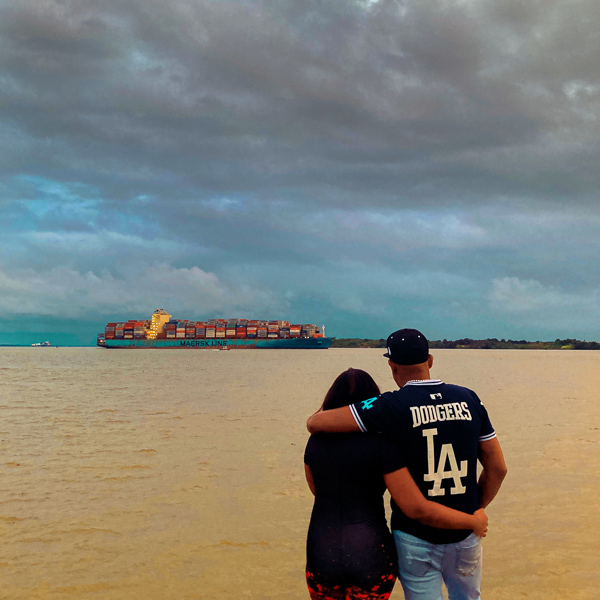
(358, 420)
(488, 437)
(423, 382)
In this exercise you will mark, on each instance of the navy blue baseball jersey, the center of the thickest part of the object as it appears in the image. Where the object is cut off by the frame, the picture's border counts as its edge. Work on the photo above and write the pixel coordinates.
(438, 427)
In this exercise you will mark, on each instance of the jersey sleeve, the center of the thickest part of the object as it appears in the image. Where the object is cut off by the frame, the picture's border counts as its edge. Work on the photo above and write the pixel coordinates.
(392, 457)
(487, 432)
(372, 414)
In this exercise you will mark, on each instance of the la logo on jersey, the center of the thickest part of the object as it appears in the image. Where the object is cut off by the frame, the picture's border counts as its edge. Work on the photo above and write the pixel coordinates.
(368, 404)
(437, 475)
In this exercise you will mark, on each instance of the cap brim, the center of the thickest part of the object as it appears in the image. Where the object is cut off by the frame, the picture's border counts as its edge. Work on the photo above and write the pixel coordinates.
(387, 355)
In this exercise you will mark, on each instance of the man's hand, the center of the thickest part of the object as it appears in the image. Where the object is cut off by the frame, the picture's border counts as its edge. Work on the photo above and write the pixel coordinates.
(481, 523)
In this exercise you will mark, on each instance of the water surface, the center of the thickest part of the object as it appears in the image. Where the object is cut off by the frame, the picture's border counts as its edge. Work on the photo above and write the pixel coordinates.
(178, 474)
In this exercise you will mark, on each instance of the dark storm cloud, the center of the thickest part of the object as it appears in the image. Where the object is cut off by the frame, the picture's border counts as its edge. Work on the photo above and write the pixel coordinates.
(388, 97)
(298, 146)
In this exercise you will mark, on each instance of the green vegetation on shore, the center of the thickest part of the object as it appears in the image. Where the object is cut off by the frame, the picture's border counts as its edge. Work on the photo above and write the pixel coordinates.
(487, 344)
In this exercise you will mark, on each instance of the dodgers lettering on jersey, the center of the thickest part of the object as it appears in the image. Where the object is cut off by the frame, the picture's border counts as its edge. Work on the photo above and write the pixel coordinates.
(440, 412)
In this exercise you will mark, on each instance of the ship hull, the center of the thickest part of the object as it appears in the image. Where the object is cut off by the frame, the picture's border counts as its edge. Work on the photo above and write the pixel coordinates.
(218, 344)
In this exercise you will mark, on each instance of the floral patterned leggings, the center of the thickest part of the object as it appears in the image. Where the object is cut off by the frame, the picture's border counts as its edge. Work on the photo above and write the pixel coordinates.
(380, 591)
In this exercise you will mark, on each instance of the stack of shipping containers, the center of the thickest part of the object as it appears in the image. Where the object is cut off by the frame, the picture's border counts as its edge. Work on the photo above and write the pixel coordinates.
(262, 330)
(308, 330)
(230, 329)
(214, 328)
(139, 330)
(241, 329)
(171, 329)
(109, 331)
(252, 329)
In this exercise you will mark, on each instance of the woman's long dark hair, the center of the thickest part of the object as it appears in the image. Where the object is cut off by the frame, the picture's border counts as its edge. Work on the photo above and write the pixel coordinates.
(349, 387)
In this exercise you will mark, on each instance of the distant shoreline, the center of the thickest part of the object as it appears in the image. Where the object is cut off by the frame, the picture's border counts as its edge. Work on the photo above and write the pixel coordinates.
(462, 344)
(469, 344)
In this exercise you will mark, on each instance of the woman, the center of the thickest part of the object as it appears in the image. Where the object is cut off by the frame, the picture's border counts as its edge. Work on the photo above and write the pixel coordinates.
(350, 550)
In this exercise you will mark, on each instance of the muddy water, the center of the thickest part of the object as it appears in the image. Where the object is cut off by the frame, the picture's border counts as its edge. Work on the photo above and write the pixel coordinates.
(178, 474)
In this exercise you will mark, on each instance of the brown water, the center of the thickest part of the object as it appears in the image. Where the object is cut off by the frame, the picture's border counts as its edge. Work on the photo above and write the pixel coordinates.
(178, 474)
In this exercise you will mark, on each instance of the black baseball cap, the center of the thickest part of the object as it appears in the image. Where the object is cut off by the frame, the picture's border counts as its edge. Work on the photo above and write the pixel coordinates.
(407, 347)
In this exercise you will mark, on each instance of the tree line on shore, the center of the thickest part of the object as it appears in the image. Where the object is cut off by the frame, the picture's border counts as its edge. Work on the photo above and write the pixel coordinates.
(468, 343)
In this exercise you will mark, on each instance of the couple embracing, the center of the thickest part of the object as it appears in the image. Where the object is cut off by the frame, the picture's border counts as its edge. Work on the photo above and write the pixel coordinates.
(423, 442)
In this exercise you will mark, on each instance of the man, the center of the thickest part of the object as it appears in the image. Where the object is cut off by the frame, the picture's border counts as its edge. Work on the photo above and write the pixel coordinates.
(443, 430)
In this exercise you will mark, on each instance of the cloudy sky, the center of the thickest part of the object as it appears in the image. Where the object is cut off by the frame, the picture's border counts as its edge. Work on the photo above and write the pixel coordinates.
(360, 163)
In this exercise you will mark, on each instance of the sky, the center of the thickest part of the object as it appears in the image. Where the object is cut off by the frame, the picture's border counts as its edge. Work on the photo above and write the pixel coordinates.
(363, 164)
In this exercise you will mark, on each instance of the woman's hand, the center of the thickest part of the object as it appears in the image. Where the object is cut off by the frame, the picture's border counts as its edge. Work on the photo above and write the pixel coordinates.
(480, 525)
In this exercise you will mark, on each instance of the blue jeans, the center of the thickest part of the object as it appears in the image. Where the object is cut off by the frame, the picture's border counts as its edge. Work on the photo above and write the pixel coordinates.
(423, 567)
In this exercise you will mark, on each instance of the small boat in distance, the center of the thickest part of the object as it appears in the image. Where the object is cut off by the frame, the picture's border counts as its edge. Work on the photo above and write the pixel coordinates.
(42, 344)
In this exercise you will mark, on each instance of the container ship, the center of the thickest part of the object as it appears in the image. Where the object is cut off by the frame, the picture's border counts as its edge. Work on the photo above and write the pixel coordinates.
(163, 331)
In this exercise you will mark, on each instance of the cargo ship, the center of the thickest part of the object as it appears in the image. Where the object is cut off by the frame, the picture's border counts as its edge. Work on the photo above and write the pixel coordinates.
(163, 331)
